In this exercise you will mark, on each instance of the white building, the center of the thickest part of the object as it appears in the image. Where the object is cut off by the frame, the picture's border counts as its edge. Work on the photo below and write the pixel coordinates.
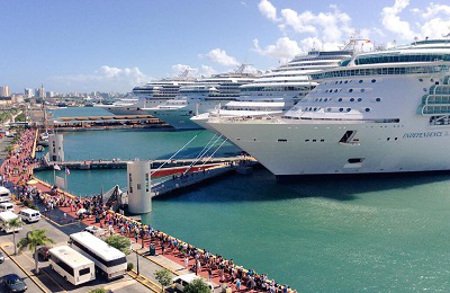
(4, 91)
(41, 92)
(29, 93)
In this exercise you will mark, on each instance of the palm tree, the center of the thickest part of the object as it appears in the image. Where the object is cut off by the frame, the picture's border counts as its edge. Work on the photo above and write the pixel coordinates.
(32, 241)
(15, 224)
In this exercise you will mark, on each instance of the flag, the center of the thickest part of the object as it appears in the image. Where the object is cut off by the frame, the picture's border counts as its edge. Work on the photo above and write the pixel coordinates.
(56, 167)
(67, 171)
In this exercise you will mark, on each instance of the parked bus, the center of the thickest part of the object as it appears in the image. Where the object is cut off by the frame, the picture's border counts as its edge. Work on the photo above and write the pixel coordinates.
(5, 217)
(5, 194)
(110, 262)
(71, 265)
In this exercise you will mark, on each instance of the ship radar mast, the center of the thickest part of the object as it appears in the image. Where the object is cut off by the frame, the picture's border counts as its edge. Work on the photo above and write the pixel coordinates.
(242, 68)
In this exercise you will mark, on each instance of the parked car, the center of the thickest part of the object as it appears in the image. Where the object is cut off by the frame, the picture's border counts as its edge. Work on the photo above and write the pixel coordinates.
(2, 257)
(14, 283)
(43, 253)
(96, 231)
(179, 282)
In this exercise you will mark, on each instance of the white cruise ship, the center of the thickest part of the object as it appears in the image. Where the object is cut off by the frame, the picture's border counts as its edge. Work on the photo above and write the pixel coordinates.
(126, 106)
(380, 112)
(279, 89)
(201, 97)
(150, 95)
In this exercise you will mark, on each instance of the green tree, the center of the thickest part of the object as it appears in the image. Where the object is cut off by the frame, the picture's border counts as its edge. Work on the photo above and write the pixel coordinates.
(120, 242)
(15, 224)
(197, 286)
(32, 241)
(164, 277)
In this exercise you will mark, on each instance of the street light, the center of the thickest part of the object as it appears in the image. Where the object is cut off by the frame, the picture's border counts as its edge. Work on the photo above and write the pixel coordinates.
(137, 262)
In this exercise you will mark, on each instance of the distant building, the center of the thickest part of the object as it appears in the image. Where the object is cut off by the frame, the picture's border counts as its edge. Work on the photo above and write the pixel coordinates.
(29, 93)
(17, 99)
(50, 94)
(41, 92)
(4, 91)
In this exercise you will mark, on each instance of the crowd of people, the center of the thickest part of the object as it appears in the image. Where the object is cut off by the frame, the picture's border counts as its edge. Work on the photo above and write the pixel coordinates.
(17, 170)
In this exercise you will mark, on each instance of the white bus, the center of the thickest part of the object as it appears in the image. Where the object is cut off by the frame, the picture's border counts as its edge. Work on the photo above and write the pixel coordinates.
(5, 194)
(71, 265)
(111, 262)
(5, 217)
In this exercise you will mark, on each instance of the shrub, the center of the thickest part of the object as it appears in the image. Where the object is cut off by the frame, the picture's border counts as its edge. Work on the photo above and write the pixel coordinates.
(164, 277)
(197, 286)
(130, 266)
(120, 242)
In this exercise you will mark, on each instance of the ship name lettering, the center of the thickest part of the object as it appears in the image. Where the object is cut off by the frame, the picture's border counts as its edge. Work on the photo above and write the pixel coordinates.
(423, 134)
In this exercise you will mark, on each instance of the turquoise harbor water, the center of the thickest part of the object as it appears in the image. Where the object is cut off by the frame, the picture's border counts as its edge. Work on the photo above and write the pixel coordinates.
(330, 235)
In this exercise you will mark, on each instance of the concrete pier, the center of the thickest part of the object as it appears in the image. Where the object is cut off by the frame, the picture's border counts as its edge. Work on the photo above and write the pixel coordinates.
(103, 122)
(179, 182)
(155, 164)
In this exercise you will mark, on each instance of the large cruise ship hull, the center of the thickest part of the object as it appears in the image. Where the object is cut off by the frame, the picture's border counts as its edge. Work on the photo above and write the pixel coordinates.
(179, 119)
(123, 110)
(315, 149)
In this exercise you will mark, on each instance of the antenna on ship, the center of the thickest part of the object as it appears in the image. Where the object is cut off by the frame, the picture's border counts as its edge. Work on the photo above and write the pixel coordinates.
(241, 68)
(184, 74)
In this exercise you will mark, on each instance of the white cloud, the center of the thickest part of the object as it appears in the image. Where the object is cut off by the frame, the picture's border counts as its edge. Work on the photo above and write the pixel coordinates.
(203, 70)
(324, 31)
(330, 26)
(435, 9)
(392, 22)
(107, 78)
(206, 70)
(437, 21)
(268, 10)
(221, 57)
(432, 21)
(284, 49)
(435, 28)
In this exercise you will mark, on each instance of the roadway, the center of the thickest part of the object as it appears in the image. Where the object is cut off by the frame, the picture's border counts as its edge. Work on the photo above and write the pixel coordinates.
(9, 267)
(50, 281)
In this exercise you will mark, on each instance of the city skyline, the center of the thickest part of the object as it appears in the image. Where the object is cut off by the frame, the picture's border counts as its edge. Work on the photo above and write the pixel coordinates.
(95, 45)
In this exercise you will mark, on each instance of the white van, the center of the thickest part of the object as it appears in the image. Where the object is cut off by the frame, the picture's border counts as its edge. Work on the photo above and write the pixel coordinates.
(30, 215)
(5, 194)
(181, 281)
(6, 206)
(5, 217)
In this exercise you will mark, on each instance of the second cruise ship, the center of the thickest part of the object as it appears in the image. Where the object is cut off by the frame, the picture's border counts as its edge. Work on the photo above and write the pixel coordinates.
(283, 87)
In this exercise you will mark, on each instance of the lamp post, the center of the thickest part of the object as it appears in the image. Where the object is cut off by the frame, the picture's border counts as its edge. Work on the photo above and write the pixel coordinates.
(137, 262)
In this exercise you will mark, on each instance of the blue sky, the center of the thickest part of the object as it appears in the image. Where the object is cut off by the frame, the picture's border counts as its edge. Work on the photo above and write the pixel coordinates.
(86, 45)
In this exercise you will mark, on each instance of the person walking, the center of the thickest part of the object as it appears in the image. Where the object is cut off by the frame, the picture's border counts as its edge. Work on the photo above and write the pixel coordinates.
(186, 262)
